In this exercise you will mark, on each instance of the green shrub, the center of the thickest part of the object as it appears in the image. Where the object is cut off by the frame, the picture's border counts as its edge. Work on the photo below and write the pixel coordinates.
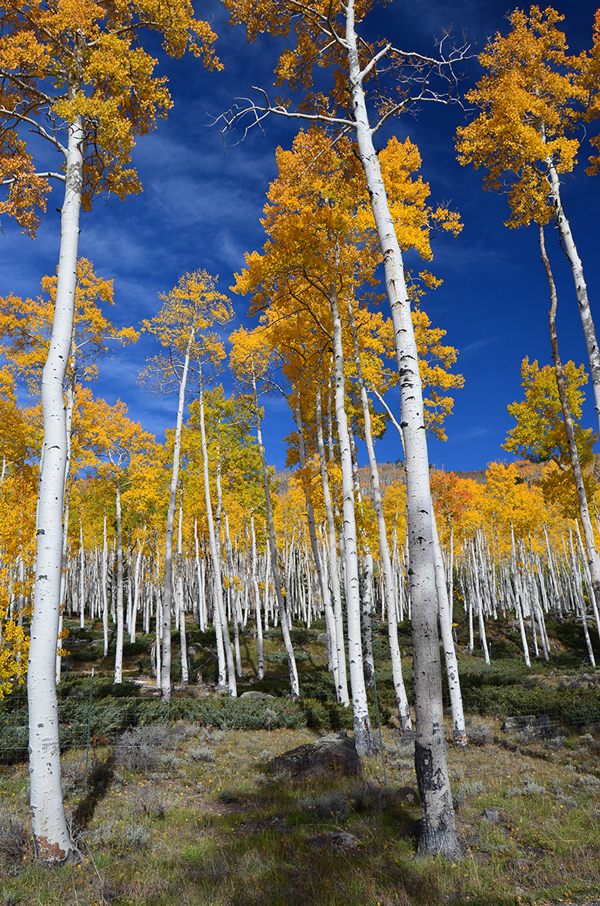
(572, 708)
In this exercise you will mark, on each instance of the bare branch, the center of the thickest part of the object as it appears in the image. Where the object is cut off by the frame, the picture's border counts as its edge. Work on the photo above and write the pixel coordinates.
(23, 118)
(235, 114)
(374, 61)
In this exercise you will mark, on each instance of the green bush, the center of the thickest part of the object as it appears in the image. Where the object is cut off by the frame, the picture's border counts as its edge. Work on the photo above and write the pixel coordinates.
(576, 708)
(301, 637)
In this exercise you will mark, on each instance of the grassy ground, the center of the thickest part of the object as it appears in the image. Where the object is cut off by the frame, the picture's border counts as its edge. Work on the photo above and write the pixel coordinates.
(180, 813)
(193, 818)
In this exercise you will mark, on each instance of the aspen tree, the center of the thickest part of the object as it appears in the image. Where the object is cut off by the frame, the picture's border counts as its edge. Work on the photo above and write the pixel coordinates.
(76, 77)
(249, 361)
(183, 326)
(328, 34)
(113, 442)
(533, 98)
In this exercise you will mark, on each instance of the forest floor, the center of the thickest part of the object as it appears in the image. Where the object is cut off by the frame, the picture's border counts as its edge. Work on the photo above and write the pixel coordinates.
(182, 813)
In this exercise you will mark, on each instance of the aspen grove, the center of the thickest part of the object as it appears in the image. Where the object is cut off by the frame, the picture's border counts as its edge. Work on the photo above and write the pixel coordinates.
(324, 337)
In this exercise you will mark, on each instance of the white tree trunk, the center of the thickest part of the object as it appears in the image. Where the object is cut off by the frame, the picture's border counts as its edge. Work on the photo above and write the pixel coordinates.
(120, 621)
(165, 671)
(180, 595)
(363, 737)
(384, 552)
(260, 668)
(568, 244)
(224, 652)
(51, 837)
(285, 629)
(339, 645)
(458, 716)
(438, 830)
(323, 587)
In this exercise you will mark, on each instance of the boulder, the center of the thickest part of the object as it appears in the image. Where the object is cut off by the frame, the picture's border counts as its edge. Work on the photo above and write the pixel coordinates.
(336, 754)
(337, 841)
(491, 815)
(254, 693)
(406, 795)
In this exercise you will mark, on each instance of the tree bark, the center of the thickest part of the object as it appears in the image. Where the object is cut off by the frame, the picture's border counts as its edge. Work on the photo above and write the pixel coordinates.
(339, 652)
(51, 837)
(363, 737)
(167, 602)
(584, 512)
(570, 249)
(120, 625)
(285, 629)
(438, 831)
(384, 551)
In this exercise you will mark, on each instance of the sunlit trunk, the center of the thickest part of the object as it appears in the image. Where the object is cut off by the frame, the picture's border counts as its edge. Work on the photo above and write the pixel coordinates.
(438, 831)
(51, 837)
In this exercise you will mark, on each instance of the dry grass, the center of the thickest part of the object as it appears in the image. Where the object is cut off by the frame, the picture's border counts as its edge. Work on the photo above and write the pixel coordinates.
(202, 832)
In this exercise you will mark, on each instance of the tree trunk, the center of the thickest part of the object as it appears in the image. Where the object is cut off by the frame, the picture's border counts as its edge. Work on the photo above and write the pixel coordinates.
(180, 595)
(260, 667)
(285, 629)
(120, 626)
(323, 587)
(584, 512)
(51, 837)
(362, 723)
(165, 670)
(438, 831)
(570, 249)
(224, 651)
(339, 652)
(384, 551)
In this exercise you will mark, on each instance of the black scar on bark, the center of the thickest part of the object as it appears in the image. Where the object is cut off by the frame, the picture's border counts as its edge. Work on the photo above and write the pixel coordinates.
(439, 839)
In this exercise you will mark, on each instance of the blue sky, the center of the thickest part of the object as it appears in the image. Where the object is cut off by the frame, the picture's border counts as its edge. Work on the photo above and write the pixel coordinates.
(202, 201)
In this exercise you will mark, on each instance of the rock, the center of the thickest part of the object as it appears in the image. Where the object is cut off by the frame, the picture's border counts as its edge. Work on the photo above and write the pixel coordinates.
(406, 796)
(337, 841)
(523, 722)
(336, 753)
(491, 815)
(322, 637)
(254, 693)
(510, 723)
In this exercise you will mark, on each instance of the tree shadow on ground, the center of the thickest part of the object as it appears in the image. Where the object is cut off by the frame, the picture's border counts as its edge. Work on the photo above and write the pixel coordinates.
(99, 781)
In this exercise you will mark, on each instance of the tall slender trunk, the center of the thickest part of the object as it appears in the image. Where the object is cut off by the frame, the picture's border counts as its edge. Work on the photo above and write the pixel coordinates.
(384, 551)
(180, 598)
(235, 609)
(570, 249)
(136, 595)
(105, 588)
(120, 622)
(438, 830)
(363, 737)
(584, 512)
(50, 833)
(224, 651)
(285, 629)
(459, 730)
(312, 532)
(167, 602)
(334, 582)
(260, 666)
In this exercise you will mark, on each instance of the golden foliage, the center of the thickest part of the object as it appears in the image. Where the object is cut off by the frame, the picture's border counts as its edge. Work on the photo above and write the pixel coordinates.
(81, 61)
(531, 99)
